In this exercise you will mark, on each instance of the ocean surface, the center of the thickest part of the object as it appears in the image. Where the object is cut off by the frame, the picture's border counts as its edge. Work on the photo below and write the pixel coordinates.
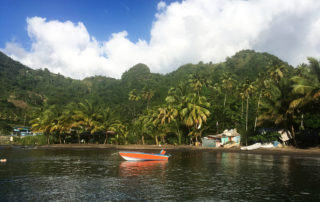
(101, 175)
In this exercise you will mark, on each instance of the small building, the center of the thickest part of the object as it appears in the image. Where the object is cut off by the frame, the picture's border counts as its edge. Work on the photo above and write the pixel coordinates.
(23, 131)
(228, 136)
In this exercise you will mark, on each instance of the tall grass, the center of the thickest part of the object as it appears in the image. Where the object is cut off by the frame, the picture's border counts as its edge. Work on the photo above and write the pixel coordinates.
(33, 140)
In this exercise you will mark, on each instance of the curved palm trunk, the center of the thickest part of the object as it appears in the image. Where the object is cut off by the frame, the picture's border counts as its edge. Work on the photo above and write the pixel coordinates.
(247, 110)
(156, 139)
(106, 139)
(255, 122)
(247, 113)
(142, 139)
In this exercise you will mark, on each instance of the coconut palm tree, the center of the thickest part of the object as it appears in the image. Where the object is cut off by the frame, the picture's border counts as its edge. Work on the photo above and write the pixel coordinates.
(87, 117)
(195, 113)
(103, 123)
(227, 84)
(120, 130)
(166, 116)
(307, 84)
(147, 95)
(275, 108)
(135, 97)
(277, 72)
(248, 88)
(46, 121)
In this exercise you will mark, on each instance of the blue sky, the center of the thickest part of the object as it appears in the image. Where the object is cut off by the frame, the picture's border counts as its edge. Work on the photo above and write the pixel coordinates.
(81, 38)
(101, 17)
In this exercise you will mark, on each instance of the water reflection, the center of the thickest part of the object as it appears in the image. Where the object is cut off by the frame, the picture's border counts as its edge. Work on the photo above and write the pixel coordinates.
(101, 175)
(136, 168)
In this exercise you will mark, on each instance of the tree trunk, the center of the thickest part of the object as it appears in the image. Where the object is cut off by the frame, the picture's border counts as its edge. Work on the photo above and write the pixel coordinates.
(156, 139)
(78, 138)
(48, 139)
(179, 134)
(247, 110)
(293, 135)
(142, 139)
(60, 138)
(162, 139)
(225, 100)
(255, 122)
(106, 139)
(242, 109)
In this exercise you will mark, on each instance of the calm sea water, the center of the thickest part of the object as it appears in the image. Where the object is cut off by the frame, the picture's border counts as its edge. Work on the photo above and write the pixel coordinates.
(101, 175)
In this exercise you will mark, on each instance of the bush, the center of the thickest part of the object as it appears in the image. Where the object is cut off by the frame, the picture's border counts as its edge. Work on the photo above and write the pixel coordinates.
(34, 140)
(265, 137)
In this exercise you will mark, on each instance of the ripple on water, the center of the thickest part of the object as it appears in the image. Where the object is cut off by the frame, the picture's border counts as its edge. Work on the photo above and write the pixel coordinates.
(99, 175)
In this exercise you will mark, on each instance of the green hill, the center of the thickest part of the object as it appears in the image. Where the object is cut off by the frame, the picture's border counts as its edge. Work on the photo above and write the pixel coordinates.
(23, 89)
(247, 90)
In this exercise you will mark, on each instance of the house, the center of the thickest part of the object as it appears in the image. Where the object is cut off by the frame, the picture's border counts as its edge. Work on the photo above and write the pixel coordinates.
(227, 137)
(23, 131)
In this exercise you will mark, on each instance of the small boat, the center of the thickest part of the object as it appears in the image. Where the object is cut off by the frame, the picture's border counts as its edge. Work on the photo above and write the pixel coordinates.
(252, 147)
(141, 156)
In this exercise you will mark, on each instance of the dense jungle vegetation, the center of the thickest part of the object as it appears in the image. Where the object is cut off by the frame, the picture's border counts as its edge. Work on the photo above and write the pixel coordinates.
(250, 91)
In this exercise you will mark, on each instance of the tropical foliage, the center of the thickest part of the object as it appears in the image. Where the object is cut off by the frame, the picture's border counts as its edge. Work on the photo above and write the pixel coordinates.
(249, 91)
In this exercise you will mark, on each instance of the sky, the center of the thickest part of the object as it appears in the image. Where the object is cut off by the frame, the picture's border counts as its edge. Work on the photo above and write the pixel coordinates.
(82, 38)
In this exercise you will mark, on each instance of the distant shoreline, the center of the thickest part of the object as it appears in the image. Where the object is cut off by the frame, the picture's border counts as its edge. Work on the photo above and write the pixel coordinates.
(311, 152)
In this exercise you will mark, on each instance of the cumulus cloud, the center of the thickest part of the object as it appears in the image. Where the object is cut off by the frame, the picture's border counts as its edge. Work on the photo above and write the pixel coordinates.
(182, 32)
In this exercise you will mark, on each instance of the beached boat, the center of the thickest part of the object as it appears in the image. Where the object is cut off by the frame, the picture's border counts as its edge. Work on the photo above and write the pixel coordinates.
(252, 147)
(141, 156)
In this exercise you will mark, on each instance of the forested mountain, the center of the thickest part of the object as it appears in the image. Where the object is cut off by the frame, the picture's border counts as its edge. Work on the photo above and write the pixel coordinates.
(247, 91)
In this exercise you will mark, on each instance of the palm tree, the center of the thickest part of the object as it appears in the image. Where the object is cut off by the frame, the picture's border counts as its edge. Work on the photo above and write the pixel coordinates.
(104, 123)
(276, 107)
(120, 130)
(147, 95)
(133, 96)
(306, 86)
(227, 85)
(87, 117)
(166, 116)
(261, 83)
(247, 91)
(170, 113)
(46, 121)
(277, 72)
(195, 113)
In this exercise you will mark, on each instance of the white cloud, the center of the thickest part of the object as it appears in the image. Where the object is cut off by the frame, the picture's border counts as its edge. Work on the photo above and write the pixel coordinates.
(190, 31)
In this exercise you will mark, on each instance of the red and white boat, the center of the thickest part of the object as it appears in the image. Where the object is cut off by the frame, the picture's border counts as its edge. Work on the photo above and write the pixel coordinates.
(141, 156)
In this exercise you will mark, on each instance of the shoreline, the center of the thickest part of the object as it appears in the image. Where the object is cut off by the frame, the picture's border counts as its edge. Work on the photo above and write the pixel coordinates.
(310, 152)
